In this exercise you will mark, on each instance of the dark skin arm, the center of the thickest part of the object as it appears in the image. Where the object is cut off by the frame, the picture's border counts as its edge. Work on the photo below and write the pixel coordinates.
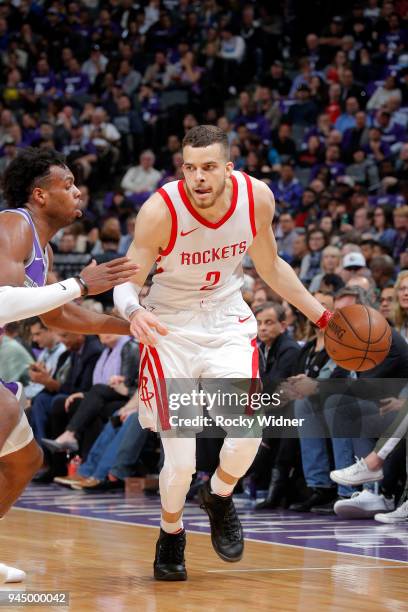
(72, 317)
(15, 249)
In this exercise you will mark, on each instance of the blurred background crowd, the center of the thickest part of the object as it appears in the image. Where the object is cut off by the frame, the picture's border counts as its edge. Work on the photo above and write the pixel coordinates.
(314, 99)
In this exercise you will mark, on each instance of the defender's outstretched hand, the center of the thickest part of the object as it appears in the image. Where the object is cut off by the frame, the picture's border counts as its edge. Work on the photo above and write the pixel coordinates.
(144, 325)
(102, 277)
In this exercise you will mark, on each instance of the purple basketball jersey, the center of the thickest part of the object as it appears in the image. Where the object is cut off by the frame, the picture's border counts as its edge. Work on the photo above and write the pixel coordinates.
(36, 270)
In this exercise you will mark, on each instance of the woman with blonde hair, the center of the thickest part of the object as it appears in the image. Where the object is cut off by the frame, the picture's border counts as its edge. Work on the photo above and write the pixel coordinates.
(401, 304)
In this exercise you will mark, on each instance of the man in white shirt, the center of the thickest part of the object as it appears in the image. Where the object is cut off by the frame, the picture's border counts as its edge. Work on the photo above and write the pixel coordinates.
(142, 178)
(46, 363)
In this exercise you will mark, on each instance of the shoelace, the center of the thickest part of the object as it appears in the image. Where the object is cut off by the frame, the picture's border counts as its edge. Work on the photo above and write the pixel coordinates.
(403, 508)
(172, 549)
(229, 522)
(360, 464)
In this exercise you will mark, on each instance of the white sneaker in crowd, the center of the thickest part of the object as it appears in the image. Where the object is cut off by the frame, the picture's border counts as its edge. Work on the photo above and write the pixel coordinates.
(400, 515)
(363, 504)
(356, 474)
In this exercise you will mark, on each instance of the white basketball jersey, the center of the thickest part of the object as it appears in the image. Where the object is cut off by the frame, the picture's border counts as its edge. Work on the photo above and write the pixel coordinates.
(203, 260)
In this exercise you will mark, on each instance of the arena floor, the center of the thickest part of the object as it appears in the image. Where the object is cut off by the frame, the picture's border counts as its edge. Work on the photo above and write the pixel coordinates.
(100, 548)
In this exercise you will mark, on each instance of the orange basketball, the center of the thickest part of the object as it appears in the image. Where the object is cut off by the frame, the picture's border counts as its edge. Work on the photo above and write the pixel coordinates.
(357, 337)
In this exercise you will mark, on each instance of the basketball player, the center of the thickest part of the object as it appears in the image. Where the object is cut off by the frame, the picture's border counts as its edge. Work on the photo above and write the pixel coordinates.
(196, 323)
(40, 190)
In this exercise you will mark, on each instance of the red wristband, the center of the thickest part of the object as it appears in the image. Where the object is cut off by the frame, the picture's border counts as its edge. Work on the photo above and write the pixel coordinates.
(324, 319)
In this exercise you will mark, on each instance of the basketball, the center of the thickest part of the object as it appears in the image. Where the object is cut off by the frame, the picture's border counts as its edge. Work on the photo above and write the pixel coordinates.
(358, 338)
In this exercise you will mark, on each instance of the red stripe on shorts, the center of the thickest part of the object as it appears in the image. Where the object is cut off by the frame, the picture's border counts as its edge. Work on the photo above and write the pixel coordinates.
(163, 390)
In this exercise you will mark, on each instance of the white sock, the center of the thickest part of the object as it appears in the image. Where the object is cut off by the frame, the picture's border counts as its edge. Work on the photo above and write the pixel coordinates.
(219, 487)
(11, 574)
(172, 527)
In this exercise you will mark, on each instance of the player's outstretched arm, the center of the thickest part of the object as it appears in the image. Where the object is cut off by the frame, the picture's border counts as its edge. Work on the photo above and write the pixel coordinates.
(152, 236)
(19, 302)
(276, 272)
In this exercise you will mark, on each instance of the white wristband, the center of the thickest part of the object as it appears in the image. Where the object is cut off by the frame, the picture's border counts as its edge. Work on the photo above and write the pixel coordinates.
(126, 299)
(22, 302)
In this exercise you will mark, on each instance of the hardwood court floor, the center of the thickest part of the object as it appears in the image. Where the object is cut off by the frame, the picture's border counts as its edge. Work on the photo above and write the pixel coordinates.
(107, 567)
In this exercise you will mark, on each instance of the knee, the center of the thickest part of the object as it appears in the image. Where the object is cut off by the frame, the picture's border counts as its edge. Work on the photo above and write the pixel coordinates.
(302, 407)
(179, 470)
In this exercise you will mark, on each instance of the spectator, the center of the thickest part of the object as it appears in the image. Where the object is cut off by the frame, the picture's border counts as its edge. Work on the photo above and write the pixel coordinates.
(316, 241)
(387, 302)
(382, 269)
(288, 190)
(45, 366)
(141, 180)
(113, 382)
(384, 93)
(286, 234)
(401, 304)
(329, 264)
(15, 360)
(277, 353)
(95, 65)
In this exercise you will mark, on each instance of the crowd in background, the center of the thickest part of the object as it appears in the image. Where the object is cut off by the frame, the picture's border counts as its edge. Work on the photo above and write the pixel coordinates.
(314, 99)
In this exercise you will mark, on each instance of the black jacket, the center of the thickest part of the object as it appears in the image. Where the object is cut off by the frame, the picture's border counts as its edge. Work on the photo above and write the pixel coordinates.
(387, 378)
(279, 363)
(82, 366)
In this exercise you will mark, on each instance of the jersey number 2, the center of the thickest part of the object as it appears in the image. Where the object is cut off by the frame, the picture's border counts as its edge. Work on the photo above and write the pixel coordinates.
(214, 277)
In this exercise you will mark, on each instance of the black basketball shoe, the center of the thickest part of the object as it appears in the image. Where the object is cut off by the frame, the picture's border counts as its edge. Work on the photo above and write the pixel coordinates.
(169, 563)
(226, 531)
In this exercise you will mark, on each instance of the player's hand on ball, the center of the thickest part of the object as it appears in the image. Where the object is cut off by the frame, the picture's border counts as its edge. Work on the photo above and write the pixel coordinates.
(145, 326)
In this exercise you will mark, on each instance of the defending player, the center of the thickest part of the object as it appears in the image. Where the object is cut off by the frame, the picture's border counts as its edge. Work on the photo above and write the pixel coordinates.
(39, 188)
(198, 230)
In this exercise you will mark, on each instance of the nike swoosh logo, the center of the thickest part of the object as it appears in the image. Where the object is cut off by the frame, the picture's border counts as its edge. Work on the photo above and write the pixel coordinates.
(243, 320)
(189, 232)
(63, 286)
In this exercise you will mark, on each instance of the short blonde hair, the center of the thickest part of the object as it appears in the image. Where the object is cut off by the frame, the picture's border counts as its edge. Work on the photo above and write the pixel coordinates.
(400, 315)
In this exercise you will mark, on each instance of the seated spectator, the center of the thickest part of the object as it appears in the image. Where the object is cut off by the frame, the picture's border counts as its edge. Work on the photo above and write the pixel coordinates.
(347, 120)
(330, 261)
(382, 269)
(128, 78)
(383, 93)
(311, 262)
(113, 381)
(95, 65)
(331, 163)
(304, 111)
(400, 242)
(358, 411)
(401, 304)
(353, 264)
(363, 171)
(75, 375)
(314, 363)
(387, 303)
(356, 137)
(382, 221)
(285, 234)
(140, 181)
(15, 360)
(74, 82)
(288, 189)
(47, 361)
(277, 353)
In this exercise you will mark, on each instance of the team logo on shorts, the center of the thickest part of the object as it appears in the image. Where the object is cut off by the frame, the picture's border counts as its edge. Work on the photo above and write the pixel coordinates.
(144, 394)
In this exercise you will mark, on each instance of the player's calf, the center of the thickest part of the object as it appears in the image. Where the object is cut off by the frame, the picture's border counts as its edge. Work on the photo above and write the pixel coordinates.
(16, 471)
